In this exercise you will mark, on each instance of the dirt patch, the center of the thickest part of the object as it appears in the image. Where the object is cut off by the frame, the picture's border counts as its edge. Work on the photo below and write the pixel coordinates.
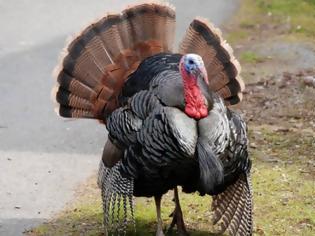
(281, 99)
(273, 57)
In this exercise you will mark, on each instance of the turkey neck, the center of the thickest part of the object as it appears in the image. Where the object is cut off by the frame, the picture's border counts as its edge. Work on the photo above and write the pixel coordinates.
(195, 102)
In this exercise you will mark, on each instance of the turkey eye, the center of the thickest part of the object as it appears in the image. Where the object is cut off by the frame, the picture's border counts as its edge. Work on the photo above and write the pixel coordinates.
(190, 62)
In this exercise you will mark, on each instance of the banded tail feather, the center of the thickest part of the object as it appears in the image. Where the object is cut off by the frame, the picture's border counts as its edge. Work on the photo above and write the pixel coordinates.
(223, 69)
(232, 209)
(98, 61)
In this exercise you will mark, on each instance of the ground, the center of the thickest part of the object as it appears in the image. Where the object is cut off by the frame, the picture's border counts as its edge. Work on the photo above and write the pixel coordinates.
(273, 40)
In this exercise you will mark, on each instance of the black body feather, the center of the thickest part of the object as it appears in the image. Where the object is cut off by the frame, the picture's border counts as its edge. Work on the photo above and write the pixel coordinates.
(163, 147)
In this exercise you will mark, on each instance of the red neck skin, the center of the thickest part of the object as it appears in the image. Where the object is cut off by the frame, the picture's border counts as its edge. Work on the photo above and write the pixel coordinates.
(195, 101)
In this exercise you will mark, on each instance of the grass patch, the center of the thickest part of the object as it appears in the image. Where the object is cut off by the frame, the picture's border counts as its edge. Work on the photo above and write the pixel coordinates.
(85, 215)
(300, 14)
(283, 201)
(245, 22)
(250, 57)
(234, 37)
(284, 181)
(293, 19)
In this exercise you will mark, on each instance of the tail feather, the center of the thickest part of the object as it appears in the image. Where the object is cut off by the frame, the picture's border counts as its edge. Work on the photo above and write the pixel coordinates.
(94, 44)
(222, 67)
(233, 87)
(108, 29)
(74, 86)
(65, 98)
(84, 63)
(76, 68)
(98, 61)
(69, 112)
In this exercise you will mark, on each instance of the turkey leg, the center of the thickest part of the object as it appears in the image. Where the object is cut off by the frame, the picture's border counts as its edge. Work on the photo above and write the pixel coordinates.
(178, 217)
(159, 230)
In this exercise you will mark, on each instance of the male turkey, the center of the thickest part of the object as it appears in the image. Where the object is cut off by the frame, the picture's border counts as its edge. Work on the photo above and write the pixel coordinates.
(165, 113)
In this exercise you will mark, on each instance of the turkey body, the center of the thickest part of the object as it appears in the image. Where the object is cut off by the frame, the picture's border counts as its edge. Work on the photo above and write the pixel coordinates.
(162, 145)
(166, 114)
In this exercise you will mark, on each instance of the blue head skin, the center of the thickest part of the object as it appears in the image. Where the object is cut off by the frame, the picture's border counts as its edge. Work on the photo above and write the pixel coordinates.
(193, 65)
(192, 70)
(192, 62)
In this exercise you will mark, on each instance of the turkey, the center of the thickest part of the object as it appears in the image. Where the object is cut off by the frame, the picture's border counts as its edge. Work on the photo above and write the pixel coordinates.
(166, 114)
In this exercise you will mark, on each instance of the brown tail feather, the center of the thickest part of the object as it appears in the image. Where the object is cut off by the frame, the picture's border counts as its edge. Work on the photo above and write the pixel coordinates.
(98, 61)
(70, 112)
(74, 86)
(223, 69)
(65, 98)
(233, 208)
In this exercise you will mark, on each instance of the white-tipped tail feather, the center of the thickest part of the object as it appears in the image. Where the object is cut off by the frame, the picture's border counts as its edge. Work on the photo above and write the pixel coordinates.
(98, 60)
(222, 67)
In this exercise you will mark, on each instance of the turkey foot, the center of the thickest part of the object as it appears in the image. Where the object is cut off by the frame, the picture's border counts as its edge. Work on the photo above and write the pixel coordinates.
(178, 217)
(159, 230)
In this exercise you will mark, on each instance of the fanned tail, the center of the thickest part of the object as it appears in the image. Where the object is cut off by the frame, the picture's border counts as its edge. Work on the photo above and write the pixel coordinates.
(232, 209)
(223, 69)
(98, 60)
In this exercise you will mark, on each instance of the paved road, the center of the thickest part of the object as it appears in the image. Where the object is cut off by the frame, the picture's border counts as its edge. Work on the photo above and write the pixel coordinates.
(42, 157)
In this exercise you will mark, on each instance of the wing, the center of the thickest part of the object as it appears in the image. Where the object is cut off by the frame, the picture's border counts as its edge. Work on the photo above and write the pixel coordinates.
(214, 132)
(232, 207)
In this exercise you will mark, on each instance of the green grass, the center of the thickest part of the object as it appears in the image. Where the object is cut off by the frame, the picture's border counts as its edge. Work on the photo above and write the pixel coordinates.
(300, 14)
(284, 182)
(245, 22)
(85, 216)
(284, 189)
(291, 18)
(250, 57)
(283, 201)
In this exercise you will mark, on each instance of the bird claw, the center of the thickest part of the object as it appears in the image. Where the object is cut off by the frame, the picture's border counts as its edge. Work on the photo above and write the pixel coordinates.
(179, 222)
(159, 233)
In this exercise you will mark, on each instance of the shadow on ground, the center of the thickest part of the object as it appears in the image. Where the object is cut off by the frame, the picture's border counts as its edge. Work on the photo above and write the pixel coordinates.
(144, 228)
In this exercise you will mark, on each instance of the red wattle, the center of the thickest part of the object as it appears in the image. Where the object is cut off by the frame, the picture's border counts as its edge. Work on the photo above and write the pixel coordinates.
(203, 111)
(192, 112)
(195, 101)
